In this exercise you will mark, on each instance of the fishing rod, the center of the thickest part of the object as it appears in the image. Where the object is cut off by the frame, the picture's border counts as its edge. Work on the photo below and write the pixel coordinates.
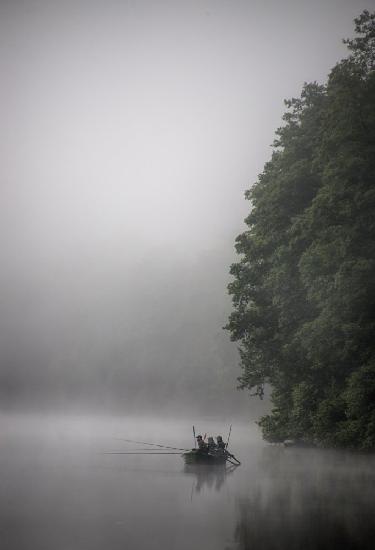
(230, 431)
(138, 453)
(153, 444)
(156, 450)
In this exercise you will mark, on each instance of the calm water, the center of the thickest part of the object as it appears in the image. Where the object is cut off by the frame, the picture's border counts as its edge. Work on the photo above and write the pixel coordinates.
(60, 491)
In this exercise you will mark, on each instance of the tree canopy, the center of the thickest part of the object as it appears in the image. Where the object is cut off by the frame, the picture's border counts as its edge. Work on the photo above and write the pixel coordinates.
(303, 289)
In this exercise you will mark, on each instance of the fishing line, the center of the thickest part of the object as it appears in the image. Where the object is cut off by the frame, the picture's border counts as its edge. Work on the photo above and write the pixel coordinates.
(153, 444)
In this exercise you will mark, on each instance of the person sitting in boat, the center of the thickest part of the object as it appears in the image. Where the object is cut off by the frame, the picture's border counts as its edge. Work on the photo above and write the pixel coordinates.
(220, 442)
(202, 446)
(211, 444)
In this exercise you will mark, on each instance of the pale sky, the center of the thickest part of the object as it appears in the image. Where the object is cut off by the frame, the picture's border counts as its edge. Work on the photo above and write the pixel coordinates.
(129, 125)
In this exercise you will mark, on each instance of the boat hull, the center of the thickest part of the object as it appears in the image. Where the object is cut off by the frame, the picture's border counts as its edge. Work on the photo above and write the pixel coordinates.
(197, 457)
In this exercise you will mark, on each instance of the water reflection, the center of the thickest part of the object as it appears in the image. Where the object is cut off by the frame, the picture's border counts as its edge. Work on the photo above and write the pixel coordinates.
(208, 476)
(308, 499)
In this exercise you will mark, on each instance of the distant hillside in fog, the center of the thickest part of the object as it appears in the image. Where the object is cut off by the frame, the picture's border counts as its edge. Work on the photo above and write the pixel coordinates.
(151, 342)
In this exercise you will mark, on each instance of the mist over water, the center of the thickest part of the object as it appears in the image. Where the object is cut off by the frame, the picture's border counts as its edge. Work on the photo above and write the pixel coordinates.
(59, 490)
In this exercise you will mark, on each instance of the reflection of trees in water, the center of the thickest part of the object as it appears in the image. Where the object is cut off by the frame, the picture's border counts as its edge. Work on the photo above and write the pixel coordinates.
(210, 477)
(325, 503)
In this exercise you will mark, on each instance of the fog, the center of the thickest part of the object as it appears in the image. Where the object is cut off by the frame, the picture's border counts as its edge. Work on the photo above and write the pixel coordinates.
(131, 130)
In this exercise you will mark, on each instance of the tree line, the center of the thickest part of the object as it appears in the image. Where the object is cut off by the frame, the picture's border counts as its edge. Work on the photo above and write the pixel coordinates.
(303, 289)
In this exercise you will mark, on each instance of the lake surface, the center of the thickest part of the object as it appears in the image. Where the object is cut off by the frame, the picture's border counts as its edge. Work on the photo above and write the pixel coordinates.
(60, 491)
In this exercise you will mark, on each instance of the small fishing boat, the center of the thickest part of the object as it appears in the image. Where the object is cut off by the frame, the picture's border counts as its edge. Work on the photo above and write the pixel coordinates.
(196, 456)
(204, 454)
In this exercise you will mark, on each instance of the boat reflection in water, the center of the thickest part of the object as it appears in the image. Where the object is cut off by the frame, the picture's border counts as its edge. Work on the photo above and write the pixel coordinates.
(209, 477)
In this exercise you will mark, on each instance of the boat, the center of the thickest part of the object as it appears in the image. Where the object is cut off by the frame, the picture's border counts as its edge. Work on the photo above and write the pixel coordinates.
(196, 456)
(207, 455)
(210, 458)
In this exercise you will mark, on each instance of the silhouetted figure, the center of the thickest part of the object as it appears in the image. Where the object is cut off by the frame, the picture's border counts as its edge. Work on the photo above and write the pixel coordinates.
(220, 442)
(202, 446)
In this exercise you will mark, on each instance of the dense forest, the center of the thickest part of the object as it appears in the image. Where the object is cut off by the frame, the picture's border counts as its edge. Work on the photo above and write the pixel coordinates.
(304, 287)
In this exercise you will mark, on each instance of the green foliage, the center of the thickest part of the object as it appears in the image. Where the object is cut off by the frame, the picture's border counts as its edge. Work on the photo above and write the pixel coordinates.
(304, 289)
